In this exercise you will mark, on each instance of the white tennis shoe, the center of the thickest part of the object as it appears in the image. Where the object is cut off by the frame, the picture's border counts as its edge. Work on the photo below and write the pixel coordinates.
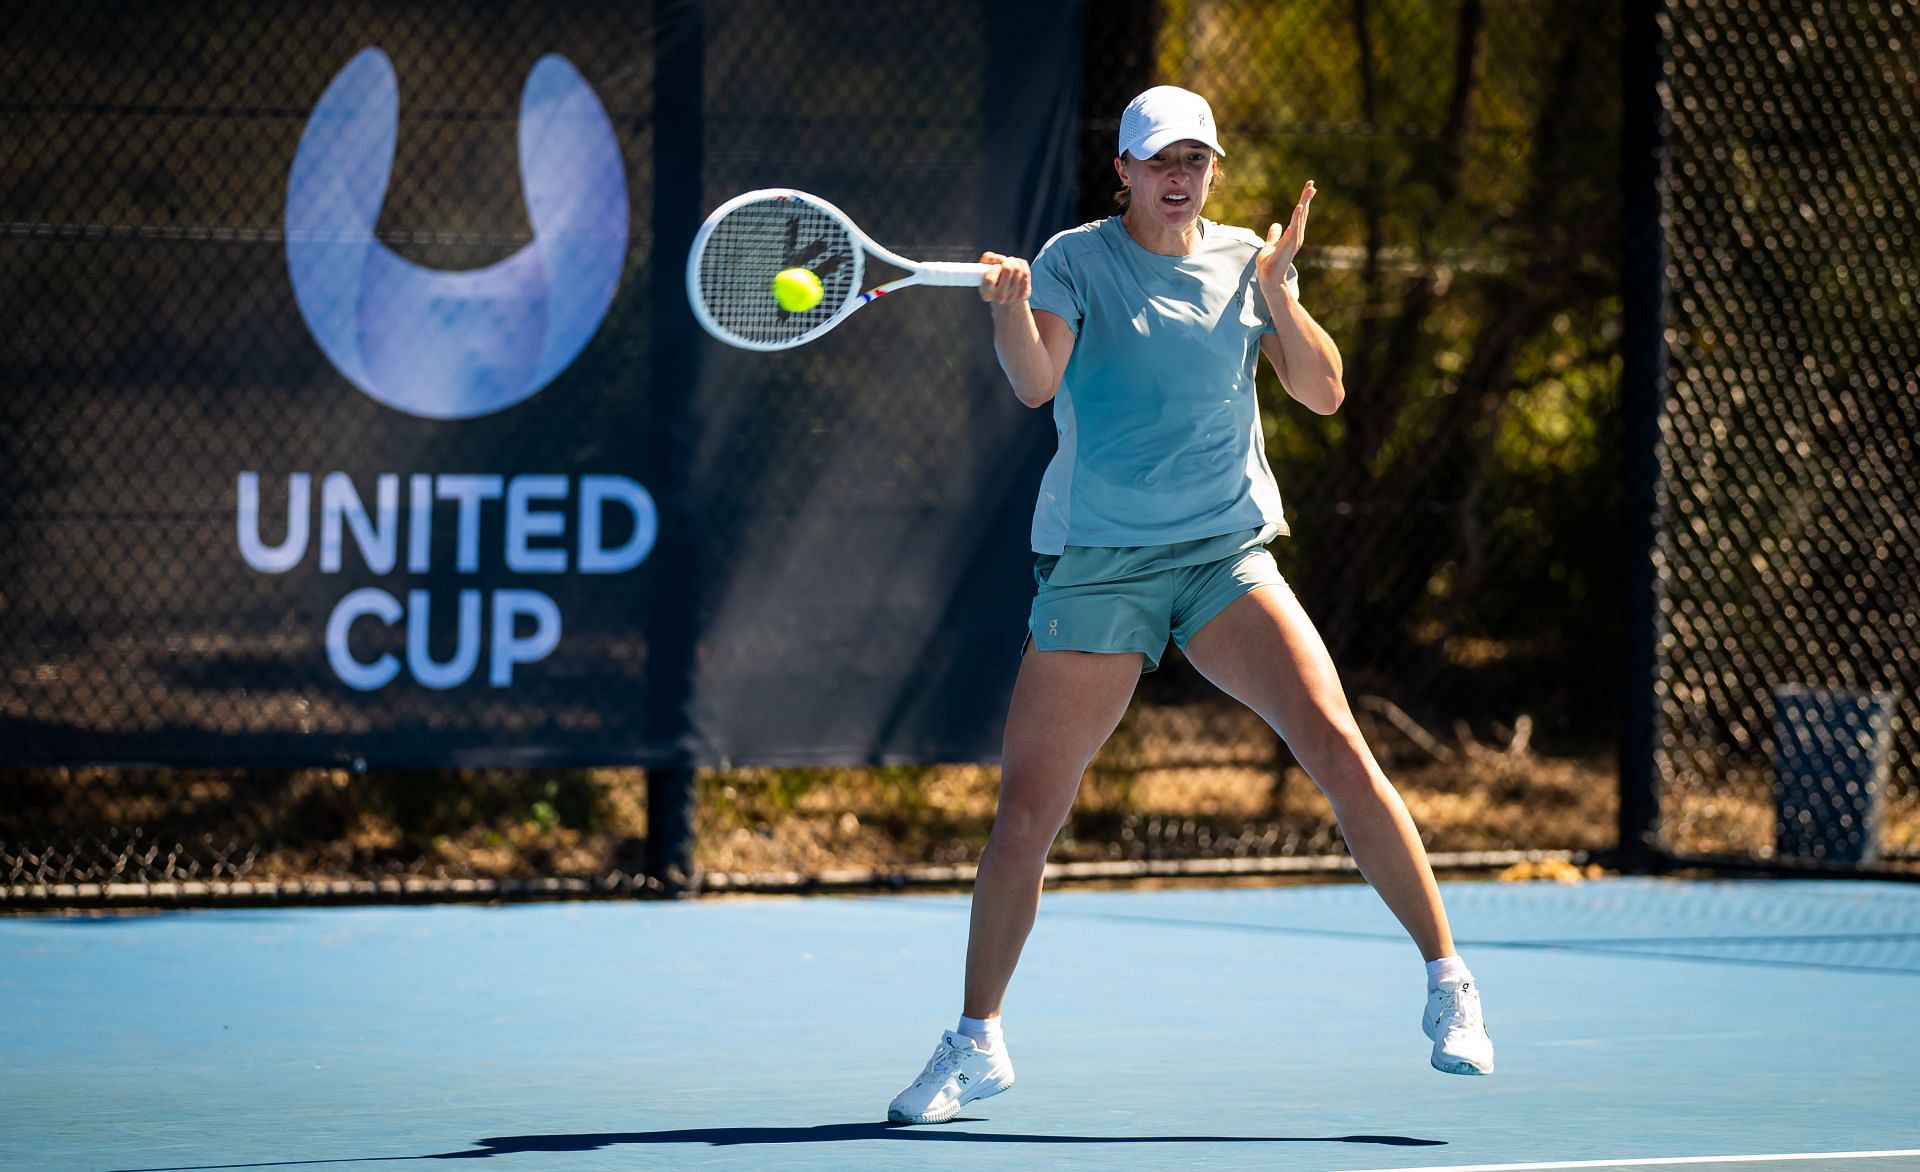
(958, 1073)
(1459, 1032)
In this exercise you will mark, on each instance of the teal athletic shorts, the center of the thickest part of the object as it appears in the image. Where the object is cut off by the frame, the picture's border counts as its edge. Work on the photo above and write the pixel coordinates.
(1134, 599)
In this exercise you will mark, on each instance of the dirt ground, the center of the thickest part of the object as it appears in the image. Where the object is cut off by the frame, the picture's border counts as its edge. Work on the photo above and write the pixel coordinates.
(757, 821)
(1172, 785)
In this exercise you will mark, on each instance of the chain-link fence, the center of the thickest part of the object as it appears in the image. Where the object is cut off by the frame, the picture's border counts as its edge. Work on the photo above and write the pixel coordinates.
(1788, 557)
(356, 385)
(1462, 252)
(1455, 525)
(181, 206)
(178, 203)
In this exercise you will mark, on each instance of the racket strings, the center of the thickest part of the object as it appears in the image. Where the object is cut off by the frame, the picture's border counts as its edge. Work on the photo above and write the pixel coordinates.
(753, 243)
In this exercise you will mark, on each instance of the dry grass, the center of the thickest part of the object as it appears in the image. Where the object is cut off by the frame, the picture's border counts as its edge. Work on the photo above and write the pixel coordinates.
(1174, 783)
(779, 820)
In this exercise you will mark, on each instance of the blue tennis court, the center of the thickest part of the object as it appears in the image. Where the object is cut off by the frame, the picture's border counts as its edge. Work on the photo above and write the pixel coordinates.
(1637, 1020)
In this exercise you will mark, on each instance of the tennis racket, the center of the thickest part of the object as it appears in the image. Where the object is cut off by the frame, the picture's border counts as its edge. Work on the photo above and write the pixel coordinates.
(752, 237)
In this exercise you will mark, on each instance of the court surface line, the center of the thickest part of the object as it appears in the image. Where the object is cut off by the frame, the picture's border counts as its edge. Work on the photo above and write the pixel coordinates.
(1650, 1161)
(1628, 947)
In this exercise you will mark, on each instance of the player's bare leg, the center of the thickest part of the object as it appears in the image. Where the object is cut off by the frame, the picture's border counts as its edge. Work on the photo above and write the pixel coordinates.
(1065, 706)
(1263, 650)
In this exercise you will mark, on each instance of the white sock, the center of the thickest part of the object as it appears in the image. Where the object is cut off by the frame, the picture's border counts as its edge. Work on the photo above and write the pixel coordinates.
(1449, 969)
(985, 1031)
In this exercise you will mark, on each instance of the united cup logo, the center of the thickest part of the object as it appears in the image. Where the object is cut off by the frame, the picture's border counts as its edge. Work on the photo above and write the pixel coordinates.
(452, 345)
(449, 346)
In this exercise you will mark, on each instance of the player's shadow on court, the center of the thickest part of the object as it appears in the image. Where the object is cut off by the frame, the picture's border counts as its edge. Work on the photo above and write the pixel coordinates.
(722, 1137)
(842, 1132)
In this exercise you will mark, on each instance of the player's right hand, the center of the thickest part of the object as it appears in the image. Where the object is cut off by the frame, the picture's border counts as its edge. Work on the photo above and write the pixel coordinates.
(1007, 281)
(1283, 244)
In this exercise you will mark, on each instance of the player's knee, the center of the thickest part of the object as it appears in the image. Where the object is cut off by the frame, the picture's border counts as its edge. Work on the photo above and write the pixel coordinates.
(1023, 830)
(1341, 766)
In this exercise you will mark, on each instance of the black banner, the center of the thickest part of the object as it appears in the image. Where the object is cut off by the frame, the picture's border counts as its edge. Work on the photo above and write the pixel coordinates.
(353, 413)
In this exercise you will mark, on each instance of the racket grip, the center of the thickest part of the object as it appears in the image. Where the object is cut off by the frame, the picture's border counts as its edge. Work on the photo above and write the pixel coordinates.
(950, 273)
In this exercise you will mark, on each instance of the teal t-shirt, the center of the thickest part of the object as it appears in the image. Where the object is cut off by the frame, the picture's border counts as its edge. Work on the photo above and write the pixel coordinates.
(1158, 423)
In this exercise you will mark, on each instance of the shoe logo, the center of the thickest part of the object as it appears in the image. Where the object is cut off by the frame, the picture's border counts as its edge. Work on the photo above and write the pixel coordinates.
(454, 345)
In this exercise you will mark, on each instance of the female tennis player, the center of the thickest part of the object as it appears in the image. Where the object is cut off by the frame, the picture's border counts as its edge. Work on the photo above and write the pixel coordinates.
(1144, 330)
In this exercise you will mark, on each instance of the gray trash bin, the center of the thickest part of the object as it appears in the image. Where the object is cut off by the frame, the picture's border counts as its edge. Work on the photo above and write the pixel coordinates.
(1830, 772)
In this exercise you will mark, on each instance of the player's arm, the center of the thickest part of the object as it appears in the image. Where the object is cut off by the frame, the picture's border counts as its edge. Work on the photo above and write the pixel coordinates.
(1302, 354)
(1033, 346)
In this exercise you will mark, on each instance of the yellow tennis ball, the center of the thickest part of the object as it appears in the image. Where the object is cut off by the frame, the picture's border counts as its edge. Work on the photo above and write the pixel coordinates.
(797, 290)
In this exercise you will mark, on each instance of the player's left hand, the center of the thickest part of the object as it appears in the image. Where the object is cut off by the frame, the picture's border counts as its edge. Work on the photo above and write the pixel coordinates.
(1271, 262)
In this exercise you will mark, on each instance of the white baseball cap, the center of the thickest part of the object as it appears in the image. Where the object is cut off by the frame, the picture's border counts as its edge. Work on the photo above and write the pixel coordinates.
(1163, 115)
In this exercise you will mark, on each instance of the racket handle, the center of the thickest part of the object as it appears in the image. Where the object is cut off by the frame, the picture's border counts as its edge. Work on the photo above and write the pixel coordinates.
(949, 273)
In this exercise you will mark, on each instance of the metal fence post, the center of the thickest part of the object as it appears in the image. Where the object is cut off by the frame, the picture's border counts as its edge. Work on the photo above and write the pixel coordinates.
(1643, 397)
(670, 840)
(679, 145)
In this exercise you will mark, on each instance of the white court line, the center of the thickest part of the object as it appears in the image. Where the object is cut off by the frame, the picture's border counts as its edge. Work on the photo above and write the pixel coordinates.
(1650, 1161)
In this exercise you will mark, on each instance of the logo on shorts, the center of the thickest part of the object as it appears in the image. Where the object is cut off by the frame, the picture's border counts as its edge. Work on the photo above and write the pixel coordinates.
(1053, 626)
(453, 345)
